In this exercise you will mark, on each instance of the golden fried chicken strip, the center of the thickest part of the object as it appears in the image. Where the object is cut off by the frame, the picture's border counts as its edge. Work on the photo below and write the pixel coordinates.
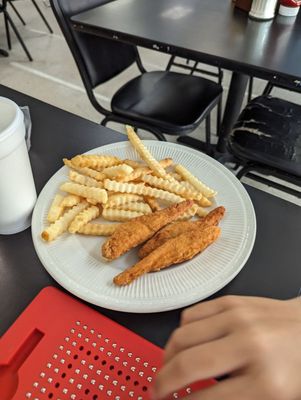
(174, 251)
(176, 228)
(140, 229)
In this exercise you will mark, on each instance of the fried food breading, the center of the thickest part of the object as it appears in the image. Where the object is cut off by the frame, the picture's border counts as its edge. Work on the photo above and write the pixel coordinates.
(140, 229)
(175, 229)
(174, 251)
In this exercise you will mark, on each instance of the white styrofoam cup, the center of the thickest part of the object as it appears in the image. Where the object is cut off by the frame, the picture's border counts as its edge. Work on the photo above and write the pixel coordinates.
(17, 189)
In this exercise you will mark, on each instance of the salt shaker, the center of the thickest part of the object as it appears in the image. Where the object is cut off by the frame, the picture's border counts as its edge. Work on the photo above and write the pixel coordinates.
(289, 8)
(263, 9)
(17, 188)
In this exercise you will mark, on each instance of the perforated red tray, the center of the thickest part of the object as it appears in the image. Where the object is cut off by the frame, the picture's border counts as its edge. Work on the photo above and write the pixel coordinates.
(59, 349)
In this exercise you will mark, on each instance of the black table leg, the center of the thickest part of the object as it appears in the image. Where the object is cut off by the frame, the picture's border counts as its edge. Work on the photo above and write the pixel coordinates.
(235, 98)
(3, 53)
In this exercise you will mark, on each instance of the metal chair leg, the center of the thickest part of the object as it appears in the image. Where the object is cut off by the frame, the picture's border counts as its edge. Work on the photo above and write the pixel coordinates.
(17, 12)
(244, 171)
(158, 135)
(219, 114)
(3, 53)
(250, 89)
(18, 35)
(194, 67)
(208, 134)
(170, 62)
(267, 90)
(105, 121)
(42, 15)
(7, 32)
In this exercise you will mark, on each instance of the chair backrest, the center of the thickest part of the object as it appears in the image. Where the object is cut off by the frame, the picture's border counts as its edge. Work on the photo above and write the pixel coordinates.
(98, 59)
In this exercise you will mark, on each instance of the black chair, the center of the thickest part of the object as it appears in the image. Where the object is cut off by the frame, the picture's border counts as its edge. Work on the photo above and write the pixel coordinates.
(9, 22)
(11, 3)
(266, 139)
(159, 102)
(194, 68)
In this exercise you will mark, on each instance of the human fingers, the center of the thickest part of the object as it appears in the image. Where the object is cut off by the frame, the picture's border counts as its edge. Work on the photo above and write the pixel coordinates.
(197, 333)
(229, 389)
(253, 306)
(213, 359)
(209, 308)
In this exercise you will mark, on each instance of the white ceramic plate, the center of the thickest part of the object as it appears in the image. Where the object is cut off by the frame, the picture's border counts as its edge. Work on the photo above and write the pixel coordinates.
(74, 260)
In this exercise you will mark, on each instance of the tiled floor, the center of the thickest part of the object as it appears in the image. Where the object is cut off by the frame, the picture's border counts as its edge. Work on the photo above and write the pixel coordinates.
(53, 76)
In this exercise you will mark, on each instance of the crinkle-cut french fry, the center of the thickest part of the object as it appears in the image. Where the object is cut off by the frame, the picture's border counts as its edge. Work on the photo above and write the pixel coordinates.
(61, 225)
(100, 195)
(196, 183)
(56, 209)
(137, 173)
(135, 206)
(95, 161)
(120, 170)
(194, 210)
(92, 173)
(201, 212)
(178, 177)
(84, 180)
(187, 185)
(92, 201)
(204, 202)
(166, 162)
(83, 218)
(119, 199)
(70, 200)
(98, 229)
(140, 188)
(145, 154)
(133, 164)
(154, 205)
(171, 186)
(114, 214)
(177, 188)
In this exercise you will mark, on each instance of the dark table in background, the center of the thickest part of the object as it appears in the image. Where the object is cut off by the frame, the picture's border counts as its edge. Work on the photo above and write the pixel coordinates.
(209, 31)
(273, 268)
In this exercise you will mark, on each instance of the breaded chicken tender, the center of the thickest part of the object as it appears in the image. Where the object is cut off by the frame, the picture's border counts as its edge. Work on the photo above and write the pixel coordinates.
(140, 229)
(174, 251)
(175, 229)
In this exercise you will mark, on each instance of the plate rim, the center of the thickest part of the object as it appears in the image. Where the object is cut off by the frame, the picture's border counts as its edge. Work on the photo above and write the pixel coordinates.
(148, 306)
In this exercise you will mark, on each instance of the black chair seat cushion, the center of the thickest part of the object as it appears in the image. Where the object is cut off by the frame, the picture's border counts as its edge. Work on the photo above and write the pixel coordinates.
(268, 131)
(176, 103)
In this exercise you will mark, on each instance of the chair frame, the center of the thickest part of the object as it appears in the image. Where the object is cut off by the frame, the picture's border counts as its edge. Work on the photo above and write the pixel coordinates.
(11, 3)
(9, 22)
(251, 167)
